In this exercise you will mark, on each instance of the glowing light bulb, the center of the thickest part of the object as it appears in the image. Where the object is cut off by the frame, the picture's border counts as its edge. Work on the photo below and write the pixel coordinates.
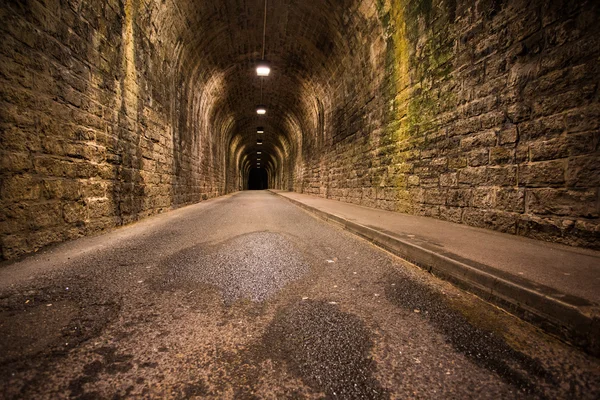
(263, 69)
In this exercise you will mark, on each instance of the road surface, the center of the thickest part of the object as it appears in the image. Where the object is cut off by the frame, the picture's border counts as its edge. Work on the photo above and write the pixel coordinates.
(247, 296)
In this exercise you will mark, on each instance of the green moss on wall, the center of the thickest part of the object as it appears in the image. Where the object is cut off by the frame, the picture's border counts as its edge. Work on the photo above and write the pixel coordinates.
(412, 75)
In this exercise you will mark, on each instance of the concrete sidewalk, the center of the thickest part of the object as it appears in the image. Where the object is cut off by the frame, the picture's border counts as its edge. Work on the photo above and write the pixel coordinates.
(554, 286)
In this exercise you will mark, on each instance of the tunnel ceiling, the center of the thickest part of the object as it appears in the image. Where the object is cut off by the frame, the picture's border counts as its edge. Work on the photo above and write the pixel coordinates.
(304, 43)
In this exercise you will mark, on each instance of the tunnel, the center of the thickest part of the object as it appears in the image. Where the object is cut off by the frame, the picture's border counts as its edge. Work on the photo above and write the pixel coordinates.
(258, 179)
(483, 113)
(300, 199)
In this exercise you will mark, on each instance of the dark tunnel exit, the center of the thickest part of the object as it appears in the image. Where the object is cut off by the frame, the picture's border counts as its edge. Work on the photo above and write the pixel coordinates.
(257, 179)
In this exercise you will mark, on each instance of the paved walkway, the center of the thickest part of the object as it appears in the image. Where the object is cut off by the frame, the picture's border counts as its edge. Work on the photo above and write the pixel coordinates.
(540, 277)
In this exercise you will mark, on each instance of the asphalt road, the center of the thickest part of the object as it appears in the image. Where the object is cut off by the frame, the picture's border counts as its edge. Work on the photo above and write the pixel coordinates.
(247, 296)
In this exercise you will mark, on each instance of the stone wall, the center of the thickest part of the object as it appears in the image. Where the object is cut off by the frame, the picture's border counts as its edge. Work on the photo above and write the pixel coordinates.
(478, 112)
(484, 113)
(99, 119)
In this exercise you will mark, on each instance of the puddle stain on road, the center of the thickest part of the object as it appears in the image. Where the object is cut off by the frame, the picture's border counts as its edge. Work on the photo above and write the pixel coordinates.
(325, 347)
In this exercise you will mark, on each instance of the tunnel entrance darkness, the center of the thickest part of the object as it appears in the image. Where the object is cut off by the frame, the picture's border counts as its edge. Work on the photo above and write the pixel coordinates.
(257, 179)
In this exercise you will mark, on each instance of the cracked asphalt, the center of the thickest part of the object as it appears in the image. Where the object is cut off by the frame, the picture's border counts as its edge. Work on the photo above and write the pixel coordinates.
(247, 297)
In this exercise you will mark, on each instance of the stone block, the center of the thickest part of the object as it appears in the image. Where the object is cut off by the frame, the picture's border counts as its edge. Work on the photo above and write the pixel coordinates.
(43, 215)
(493, 119)
(15, 162)
(20, 187)
(510, 199)
(522, 153)
(449, 179)
(508, 134)
(472, 176)
(64, 189)
(584, 171)
(93, 188)
(586, 234)
(99, 208)
(483, 197)
(542, 173)
(478, 158)
(563, 202)
(427, 210)
(412, 180)
(501, 175)
(543, 228)
(86, 152)
(39, 239)
(502, 155)
(517, 113)
(434, 196)
(457, 162)
(417, 195)
(50, 166)
(459, 197)
(582, 119)
(547, 127)
(465, 127)
(451, 214)
(583, 143)
(74, 212)
(478, 140)
(549, 149)
(430, 181)
(490, 219)
(14, 246)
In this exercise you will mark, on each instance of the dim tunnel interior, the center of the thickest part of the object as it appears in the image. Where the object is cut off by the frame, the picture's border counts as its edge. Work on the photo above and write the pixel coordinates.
(258, 179)
(114, 111)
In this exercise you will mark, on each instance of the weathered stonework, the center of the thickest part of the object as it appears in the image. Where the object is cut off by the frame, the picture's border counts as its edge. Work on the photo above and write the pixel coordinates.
(95, 131)
(485, 113)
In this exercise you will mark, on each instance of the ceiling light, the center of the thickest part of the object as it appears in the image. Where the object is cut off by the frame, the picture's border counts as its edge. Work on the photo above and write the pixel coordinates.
(258, 159)
(259, 152)
(261, 110)
(263, 69)
(259, 141)
(260, 129)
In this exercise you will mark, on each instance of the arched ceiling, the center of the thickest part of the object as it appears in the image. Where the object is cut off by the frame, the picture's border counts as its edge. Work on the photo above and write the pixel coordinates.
(305, 44)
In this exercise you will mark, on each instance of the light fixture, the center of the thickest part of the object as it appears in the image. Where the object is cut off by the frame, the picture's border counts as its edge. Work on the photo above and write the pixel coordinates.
(258, 159)
(263, 69)
(259, 141)
(260, 129)
(259, 152)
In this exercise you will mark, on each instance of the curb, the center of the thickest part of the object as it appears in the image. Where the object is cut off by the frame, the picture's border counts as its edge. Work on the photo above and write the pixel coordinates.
(576, 321)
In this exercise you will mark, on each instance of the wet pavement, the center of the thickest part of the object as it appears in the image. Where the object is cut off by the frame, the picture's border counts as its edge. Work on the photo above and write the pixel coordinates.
(248, 296)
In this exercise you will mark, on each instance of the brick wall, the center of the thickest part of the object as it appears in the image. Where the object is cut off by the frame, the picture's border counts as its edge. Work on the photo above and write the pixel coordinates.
(100, 120)
(484, 113)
